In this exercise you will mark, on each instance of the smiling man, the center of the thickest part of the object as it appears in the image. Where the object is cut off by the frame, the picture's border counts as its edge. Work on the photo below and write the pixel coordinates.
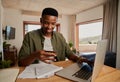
(45, 44)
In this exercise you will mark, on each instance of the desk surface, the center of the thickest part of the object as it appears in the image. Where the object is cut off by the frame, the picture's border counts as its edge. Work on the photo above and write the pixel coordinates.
(107, 74)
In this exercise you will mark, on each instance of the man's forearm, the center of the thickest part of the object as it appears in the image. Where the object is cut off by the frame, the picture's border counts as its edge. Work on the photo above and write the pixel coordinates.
(28, 60)
(74, 58)
(80, 59)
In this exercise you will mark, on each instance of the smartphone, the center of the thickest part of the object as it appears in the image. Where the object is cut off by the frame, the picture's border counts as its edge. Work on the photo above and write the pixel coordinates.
(55, 57)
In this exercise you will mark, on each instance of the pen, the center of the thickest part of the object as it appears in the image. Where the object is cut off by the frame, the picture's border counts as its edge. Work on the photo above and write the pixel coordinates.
(35, 73)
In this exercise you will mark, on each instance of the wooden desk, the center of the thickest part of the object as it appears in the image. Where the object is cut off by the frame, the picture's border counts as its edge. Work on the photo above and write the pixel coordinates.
(107, 74)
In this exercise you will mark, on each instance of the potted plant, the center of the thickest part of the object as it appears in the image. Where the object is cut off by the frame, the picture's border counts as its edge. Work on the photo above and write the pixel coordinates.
(71, 47)
(6, 46)
(5, 64)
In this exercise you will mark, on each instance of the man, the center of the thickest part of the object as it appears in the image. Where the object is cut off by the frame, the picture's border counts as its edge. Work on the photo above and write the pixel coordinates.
(45, 44)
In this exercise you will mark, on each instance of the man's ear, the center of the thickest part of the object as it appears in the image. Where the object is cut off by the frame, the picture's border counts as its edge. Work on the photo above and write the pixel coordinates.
(40, 20)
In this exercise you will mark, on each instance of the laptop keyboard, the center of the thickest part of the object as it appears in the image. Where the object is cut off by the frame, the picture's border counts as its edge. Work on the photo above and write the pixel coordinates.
(84, 73)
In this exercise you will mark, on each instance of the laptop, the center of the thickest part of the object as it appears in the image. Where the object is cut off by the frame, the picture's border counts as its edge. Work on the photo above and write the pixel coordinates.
(85, 72)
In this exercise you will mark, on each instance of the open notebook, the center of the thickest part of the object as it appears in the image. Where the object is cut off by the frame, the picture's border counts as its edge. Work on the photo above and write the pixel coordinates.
(40, 70)
(8, 75)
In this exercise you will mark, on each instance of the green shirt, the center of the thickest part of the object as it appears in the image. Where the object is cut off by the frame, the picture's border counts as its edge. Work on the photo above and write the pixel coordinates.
(33, 41)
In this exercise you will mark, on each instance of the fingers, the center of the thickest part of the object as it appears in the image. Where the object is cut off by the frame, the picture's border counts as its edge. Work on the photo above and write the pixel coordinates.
(50, 53)
(47, 56)
(83, 59)
(91, 63)
(48, 59)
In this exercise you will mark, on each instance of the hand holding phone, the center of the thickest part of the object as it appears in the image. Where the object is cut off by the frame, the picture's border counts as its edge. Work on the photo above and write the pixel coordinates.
(47, 56)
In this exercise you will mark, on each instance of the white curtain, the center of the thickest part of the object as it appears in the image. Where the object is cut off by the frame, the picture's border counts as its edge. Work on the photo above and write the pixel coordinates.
(110, 24)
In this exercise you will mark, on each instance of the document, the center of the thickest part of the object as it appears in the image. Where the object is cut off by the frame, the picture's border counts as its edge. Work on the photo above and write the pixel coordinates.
(41, 70)
(8, 74)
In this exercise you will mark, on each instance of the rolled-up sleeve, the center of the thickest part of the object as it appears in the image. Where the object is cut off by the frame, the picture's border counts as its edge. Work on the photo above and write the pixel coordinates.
(25, 48)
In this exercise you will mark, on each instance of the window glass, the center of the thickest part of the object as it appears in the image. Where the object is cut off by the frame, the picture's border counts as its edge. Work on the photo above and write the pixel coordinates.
(90, 33)
(31, 27)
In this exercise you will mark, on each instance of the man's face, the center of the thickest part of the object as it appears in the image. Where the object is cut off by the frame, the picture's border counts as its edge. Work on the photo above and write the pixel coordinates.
(48, 23)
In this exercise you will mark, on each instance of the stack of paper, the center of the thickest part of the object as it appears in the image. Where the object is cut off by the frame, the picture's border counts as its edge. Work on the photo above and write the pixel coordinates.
(8, 75)
(41, 70)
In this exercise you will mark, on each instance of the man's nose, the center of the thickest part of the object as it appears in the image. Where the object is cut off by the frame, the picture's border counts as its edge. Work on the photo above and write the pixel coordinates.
(49, 25)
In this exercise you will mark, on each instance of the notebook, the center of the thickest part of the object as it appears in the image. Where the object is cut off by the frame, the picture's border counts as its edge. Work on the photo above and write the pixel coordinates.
(40, 70)
(85, 72)
(8, 75)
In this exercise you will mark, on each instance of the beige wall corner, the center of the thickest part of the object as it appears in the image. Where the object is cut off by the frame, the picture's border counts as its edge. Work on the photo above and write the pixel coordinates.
(118, 39)
(1, 22)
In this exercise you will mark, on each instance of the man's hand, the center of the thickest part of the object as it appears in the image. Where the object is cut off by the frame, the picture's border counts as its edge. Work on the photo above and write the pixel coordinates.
(83, 59)
(47, 56)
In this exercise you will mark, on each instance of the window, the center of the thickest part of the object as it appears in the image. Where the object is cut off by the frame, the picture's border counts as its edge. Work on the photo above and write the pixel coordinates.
(88, 35)
(29, 26)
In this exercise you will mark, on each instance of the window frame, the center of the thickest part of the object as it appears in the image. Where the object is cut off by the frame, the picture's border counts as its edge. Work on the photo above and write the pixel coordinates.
(77, 30)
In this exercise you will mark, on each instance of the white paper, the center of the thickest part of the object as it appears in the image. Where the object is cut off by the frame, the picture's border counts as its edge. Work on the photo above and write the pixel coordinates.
(41, 70)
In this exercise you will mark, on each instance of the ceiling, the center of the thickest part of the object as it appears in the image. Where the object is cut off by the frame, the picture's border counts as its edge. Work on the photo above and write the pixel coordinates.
(66, 7)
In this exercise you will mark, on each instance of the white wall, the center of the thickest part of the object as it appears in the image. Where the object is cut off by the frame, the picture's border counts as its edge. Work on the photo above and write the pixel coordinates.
(94, 13)
(13, 18)
(118, 39)
(34, 18)
(30, 18)
(67, 27)
(1, 21)
(0, 26)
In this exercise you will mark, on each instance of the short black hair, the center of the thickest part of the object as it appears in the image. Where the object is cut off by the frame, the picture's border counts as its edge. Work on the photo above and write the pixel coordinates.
(50, 11)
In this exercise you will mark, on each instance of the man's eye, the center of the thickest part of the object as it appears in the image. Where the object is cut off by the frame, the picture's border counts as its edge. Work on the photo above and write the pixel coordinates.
(53, 24)
(45, 22)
